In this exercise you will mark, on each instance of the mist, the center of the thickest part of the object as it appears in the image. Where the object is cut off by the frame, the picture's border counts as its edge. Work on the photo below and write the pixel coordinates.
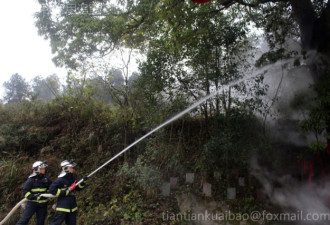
(291, 185)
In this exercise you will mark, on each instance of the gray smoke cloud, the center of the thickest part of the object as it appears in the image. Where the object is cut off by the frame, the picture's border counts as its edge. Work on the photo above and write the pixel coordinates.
(289, 84)
(290, 94)
(312, 200)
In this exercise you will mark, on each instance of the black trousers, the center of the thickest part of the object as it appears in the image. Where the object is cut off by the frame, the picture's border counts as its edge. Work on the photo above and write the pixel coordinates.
(70, 218)
(30, 209)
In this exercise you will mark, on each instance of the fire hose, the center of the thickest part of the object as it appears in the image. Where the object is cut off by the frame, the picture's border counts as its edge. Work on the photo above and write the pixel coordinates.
(131, 145)
(13, 210)
(120, 153)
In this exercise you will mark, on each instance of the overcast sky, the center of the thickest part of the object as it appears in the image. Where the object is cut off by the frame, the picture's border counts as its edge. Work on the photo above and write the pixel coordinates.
(22, 51)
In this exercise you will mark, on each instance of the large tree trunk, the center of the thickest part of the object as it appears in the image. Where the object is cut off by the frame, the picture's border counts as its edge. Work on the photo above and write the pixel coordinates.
(322, 32)
(314, 31)
(305, 16)
(315, 35)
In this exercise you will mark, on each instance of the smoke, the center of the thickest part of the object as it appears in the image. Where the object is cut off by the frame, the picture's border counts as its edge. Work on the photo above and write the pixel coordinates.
(293, 196)
(290, 95)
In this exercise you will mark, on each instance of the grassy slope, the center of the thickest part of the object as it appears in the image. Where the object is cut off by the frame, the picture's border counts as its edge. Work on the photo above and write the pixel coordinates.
(127, 190)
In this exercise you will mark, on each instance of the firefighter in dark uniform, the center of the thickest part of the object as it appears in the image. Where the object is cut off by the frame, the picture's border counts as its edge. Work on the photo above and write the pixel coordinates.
(37, 183)
(63, 188)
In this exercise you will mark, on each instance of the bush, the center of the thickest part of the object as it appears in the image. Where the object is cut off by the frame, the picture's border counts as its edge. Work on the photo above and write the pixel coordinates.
(147, 177)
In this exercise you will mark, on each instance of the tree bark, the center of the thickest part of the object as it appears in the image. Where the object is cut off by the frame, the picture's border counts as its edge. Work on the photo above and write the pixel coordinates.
(314, 30)
(305, 16)
(322, 32)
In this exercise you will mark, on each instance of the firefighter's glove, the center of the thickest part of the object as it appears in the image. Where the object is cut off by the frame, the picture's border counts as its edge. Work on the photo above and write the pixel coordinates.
(36, 197)
(84, 180)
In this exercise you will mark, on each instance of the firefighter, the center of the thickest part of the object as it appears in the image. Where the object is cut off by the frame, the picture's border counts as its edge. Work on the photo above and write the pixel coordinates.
(63, 188)
(36, 184)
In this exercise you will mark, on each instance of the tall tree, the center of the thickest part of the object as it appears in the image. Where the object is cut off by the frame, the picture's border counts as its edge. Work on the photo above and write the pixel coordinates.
(46, 88)
(312, 18)
(205, 54)
(77, 34)
(104, 25)
(16, 89)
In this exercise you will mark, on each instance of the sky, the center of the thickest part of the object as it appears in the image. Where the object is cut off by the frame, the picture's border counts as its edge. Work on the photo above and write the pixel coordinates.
(22, 50)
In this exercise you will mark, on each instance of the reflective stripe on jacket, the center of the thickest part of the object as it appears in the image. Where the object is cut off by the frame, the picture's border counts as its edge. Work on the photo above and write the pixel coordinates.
(66, 201)
(35, 185)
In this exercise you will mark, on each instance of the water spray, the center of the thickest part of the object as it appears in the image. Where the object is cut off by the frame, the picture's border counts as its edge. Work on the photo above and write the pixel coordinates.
(193, 106)
(163, 125)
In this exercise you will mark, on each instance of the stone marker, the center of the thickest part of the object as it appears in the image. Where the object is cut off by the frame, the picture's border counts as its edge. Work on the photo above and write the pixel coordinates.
(241, 181)
(190, 177)
(173, 181)
(99, 149)
(166, 189)
(207, 189)
(231, 193)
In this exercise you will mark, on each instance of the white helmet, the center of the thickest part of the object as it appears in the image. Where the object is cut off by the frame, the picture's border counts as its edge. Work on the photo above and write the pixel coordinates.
(65, 166)
(37, 166)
